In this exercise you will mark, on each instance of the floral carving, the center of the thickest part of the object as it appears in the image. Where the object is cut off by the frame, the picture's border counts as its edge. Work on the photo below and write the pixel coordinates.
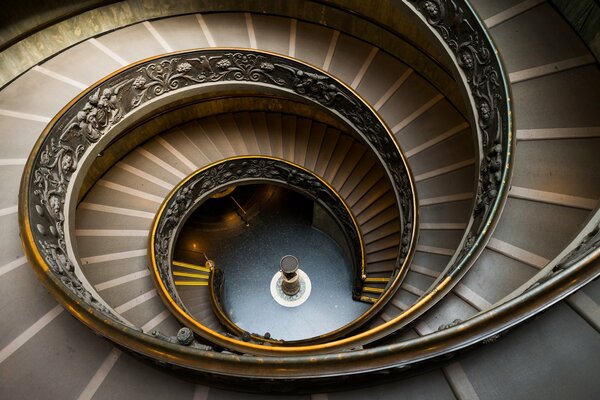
(432, 9)
(139, 82)
(223, 64)
(216, 178)
(184, 67)
(490, 177)
(589, 244)
(92, 116)
(475, 56)
(63, 269)
(316, 86)
(170, 74)
(450, 325)
(102, 109)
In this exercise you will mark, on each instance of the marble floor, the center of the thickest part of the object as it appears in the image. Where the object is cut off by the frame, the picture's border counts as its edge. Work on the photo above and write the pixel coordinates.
(250, 255)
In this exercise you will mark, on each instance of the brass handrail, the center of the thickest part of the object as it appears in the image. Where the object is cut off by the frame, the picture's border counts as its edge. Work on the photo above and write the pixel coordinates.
(485, 325)
(215, 285)
(85, 120)
(480, 68)
(199, 186)
(315, 367)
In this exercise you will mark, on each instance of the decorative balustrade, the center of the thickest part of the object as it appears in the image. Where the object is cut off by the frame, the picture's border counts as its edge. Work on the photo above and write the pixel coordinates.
(74, 133)
(198, 187)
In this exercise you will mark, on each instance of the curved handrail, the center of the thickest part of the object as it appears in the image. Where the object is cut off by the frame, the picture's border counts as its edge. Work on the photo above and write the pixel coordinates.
(70, 139)
(579, 270)
(477, 62)
(583, 266)
(199, 186)
(215, 286)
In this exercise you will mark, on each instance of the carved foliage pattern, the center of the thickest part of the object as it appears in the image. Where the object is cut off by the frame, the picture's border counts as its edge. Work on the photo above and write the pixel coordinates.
(202, 185)
(474, 54)
(91, 117)
(589, 244)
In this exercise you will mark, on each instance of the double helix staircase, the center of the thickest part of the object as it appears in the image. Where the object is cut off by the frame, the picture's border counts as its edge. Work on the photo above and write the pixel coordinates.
(555, 87)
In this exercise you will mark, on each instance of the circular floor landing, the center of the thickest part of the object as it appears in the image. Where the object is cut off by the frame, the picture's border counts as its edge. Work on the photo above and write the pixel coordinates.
(249, 257)
(247, 293)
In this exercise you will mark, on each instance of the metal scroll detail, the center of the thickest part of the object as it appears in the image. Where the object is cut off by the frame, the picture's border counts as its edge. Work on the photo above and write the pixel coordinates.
(199, 187)
(475, 56)
(91, 116)
(589, 244)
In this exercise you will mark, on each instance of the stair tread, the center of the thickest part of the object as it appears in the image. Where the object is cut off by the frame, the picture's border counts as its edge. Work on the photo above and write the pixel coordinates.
(382, 255)
(228, 125)
(348, 164)
(217, 136)
(303, 129)
(388, 215)
(384, 243)
(327, 150)
(360, 170)
(343, 146)
(274, 127)
(372, 195)
(244, 125)
(259, 123)
(315, 141)
(365, 186)
(391, 228)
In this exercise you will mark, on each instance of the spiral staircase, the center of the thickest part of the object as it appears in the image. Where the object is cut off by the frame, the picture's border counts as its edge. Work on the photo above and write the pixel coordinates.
(458, 302)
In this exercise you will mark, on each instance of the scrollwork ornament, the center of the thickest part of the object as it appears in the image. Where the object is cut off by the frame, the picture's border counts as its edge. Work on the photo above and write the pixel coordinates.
(94, 114)
(232, 172)
(184, 337)
(482, 71)
(589, 243)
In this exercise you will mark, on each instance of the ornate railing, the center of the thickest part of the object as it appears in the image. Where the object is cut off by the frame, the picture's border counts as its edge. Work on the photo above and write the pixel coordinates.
(198, 187)
(55, 159)
(78, 133)
(477, 63)
(482, 71)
